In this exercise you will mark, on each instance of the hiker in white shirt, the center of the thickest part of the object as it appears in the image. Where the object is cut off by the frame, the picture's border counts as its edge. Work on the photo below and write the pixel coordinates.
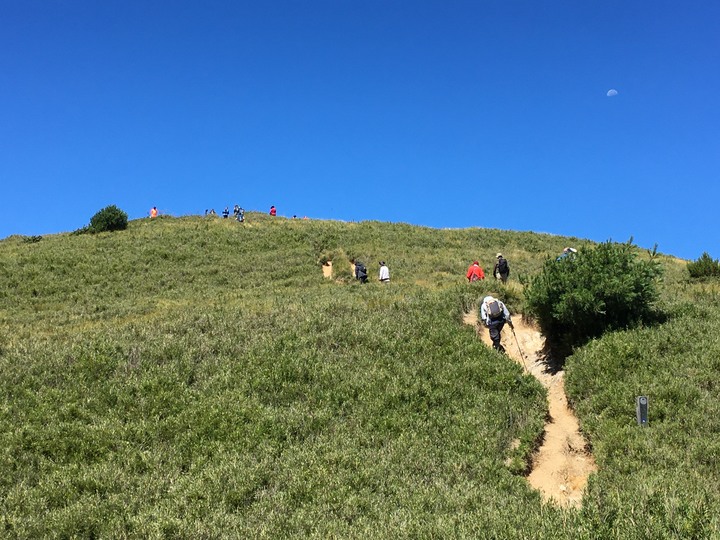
(384, 273)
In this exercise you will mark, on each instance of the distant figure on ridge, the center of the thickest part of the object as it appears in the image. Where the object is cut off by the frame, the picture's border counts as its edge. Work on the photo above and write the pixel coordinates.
(273, 211)
(153, 212)
(494, 314)
(212, 212)
(226, 213)
(501, 270)
(567, 252)
(475, 272)
(384, 276)
(240, 215)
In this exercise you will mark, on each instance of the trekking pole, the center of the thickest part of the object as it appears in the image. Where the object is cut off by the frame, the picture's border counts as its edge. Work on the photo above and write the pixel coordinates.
(522, 356)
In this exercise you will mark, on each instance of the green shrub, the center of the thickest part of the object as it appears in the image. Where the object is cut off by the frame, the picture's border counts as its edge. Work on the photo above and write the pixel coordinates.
(705, 266)
(32, 239)
(602, 288)
(110, 218)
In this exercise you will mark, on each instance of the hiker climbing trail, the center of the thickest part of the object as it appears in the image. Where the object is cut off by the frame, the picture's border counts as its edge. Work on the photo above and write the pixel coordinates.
(561, 466)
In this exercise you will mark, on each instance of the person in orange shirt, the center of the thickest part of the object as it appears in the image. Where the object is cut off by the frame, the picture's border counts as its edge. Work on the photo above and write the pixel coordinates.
(153, 212)
(475, 272)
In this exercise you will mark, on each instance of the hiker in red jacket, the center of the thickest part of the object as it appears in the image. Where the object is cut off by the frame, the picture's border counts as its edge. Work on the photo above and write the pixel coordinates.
(273, 211)
(475, 272)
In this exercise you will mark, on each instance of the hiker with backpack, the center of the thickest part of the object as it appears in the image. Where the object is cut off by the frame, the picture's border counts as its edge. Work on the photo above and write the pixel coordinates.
(494, 314)
(360, 272)
(475, 272)
(501, 270)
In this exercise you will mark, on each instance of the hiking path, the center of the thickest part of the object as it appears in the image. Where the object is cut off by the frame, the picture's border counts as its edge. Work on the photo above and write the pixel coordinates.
(562, 464)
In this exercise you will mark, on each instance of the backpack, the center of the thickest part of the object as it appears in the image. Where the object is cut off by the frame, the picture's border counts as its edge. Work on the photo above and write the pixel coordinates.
(503, 266)
(494, 310)
(360, 271)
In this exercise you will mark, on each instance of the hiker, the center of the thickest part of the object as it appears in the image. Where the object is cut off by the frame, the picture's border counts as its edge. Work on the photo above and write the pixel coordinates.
(226, 213)
(153, 212)
(360, 272)
(494, 314)
(240, 216)
(567, 252)
(273, 211)
(384, 273)
(501, 270)
(212, 212)
(475, 272)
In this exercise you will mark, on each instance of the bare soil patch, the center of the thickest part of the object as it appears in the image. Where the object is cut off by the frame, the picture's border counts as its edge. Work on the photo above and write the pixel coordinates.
(327, 269)
(562, 464)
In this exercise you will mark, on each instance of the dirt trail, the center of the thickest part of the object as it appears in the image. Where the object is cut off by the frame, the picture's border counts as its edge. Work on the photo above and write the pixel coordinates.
(561, 466)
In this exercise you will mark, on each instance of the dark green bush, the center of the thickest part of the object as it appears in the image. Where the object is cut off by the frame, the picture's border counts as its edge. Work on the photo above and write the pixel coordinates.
(110, 218)
(705, 266)
(602, 288)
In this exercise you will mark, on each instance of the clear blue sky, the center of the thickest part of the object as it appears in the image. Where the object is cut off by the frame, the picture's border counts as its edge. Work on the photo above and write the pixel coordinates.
(440, 113)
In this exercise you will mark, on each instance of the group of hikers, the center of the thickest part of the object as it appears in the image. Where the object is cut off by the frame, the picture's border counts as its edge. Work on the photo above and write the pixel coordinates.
(361, 273)
(238, 213)
(501, 270)
(493, 312)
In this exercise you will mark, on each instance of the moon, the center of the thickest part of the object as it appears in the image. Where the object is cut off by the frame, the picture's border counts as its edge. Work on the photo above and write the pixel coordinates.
(612, 92)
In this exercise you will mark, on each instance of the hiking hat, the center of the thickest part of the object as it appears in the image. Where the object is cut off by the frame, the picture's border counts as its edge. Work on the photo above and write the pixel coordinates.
(382, 263)
(475, 262)
(498, 255)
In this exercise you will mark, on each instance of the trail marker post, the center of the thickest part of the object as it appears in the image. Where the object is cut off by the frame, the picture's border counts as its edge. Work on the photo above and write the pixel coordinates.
(641, 409)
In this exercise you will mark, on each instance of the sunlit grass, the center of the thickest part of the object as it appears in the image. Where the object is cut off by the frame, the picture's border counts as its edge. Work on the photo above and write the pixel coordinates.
(195, 377)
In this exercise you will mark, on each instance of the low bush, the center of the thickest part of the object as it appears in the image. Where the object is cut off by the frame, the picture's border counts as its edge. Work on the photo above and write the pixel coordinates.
(110, 218)
(704, 266)
(575, 299)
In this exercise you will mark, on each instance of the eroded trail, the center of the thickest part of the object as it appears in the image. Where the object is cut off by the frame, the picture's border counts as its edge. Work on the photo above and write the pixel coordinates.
(561, 466)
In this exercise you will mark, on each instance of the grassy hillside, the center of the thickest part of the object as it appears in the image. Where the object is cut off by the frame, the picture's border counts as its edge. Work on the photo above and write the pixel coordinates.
(195, 377)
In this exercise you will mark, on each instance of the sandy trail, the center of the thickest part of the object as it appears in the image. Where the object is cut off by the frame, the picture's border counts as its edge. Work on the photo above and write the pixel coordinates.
(561, 466)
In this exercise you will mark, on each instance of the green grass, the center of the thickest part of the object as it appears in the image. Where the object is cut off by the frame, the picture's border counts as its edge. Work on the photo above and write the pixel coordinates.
(198, 378)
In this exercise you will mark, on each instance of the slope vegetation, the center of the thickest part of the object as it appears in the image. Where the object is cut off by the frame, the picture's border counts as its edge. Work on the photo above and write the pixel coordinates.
(196, 377)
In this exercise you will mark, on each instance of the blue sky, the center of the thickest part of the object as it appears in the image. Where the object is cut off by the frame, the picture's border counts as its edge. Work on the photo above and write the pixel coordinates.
(438, 113)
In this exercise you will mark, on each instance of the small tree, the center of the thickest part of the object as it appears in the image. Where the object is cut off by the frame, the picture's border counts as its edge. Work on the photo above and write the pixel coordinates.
(602, 288)
(110, 218)
(704, 266)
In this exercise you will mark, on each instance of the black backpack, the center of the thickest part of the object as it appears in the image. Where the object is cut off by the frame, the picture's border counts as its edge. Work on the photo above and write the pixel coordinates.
(494, 310)
(503, 266)
(360, 271)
